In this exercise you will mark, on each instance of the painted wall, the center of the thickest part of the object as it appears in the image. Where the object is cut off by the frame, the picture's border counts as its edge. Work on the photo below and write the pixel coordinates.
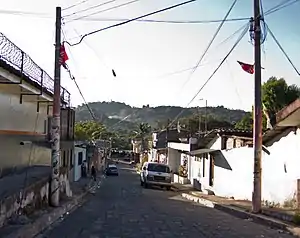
(14, 156)
(21, 117)
(280, 171)
(77, 162)
(173, 159)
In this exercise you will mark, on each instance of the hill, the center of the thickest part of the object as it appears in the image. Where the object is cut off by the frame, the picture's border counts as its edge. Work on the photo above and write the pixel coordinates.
(123, 116)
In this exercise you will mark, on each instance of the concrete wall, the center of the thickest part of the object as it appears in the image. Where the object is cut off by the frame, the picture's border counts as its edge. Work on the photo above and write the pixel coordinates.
(21, 117)
(280, 171)
(173, 159)
(14, 156)
(77, 163)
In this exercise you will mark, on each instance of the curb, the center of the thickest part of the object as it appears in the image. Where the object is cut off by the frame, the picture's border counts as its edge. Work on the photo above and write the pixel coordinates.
(32, 229)
(257, 218)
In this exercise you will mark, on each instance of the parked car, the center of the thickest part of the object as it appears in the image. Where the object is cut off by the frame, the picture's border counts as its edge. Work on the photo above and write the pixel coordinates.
(156, 174)
(111, 170)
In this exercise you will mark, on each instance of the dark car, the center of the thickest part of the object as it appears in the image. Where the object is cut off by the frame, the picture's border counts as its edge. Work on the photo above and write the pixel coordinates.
(111, 170)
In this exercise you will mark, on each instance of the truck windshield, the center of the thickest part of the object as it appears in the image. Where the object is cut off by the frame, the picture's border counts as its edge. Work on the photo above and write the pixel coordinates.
(158, 168)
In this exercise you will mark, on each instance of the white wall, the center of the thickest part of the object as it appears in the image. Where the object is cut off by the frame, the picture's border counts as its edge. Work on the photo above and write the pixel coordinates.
(196, 171)
(77, 166)
(277, 185)
(21, 117)
(173, 159)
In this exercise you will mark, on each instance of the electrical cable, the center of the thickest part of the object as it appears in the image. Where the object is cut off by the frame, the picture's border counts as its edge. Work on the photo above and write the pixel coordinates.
(282, 50)
(75, 5)
(86, 103)
(213, 73)
(209, 44)
(96, 54)
(280, 6)
(179, 71)
(191, 68)
(169, 21)
(80, 92)
(131, 20)
(105, 10)
(89, 8)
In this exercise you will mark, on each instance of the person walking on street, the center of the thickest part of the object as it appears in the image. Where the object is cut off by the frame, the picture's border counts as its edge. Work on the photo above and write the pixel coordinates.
(93, 172)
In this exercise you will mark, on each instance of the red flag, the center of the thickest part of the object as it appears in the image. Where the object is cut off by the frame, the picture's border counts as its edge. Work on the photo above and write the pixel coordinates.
(63, 55)
(249, 68)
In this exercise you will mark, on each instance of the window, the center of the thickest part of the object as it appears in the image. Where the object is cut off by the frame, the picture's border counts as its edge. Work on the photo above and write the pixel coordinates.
(80, 157)
(158, 168)
(64, 159)
(71, 159)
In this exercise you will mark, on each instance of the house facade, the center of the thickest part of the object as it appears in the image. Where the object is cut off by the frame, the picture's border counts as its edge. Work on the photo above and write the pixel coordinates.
(26, 98)
(224, 160)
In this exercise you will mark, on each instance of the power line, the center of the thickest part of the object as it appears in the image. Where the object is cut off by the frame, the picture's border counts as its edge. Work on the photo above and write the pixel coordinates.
(133, 19)
(89, 8)
(210, 77)
(217, 46)
(169, 21)
(282, 50)
(75, 5)
(76, 84)
(105, 10)
(280, 6)
(209, 44)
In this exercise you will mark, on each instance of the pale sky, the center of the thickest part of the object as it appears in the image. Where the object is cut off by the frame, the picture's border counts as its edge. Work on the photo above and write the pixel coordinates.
(142, 53)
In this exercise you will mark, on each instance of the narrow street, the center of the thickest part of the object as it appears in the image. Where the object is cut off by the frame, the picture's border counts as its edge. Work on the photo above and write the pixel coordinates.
(122, 208)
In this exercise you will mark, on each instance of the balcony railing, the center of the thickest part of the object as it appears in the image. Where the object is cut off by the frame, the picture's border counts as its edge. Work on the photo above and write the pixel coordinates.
(19, 60)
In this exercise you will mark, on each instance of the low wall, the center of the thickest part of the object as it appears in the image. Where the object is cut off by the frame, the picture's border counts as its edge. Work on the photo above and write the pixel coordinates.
(33, 197)
(180, 180)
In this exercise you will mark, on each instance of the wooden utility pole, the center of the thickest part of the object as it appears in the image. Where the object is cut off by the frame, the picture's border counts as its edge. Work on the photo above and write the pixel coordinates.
(199, 121)
(257, 130)
(55, 123)
(205, 116)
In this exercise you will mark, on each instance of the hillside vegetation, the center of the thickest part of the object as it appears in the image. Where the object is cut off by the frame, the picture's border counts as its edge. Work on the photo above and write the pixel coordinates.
(122, 116)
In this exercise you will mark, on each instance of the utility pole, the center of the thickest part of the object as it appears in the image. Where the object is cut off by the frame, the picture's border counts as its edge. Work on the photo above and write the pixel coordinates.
(55, 124)
(257, 130)
(199, 122)
(205, 116)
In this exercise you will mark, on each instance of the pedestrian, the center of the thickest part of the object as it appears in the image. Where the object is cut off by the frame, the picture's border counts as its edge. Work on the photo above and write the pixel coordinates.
(93, 172)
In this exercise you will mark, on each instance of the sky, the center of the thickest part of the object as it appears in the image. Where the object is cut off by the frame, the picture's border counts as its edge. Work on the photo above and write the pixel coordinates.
(145, 56)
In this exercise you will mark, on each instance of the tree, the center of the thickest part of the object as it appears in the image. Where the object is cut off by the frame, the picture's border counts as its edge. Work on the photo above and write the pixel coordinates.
(143, 132)
(246, 123)
(192, 123)
(91, 130)
(276, 94)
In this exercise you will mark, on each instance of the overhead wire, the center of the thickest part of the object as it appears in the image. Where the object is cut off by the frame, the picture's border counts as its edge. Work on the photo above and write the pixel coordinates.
(75, 5)
(130, 20)
(85, 101)
(282, 50)
(105, 10)
(209, 44)
(210, 77)
(280, 6)
(170, 21)
(217, 46)
(89, 8)
(96, 53)
(78, 88)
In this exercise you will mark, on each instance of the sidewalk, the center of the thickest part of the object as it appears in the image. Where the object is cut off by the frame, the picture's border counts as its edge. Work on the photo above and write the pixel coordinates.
(278, 218)
(29, 226)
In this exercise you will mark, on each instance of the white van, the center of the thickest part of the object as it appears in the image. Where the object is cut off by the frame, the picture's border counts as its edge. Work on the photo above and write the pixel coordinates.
(156, 174)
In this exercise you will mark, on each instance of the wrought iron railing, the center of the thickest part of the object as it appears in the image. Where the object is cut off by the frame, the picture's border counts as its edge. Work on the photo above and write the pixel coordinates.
(19, 60)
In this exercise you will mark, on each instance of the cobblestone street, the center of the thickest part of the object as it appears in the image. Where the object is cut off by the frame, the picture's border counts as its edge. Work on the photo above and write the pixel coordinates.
(122, 208)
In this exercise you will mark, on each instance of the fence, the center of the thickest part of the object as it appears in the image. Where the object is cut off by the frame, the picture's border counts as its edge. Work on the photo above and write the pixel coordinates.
(19, 60)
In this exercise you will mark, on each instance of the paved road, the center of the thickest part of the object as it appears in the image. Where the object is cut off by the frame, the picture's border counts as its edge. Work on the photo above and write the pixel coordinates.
(123, 209)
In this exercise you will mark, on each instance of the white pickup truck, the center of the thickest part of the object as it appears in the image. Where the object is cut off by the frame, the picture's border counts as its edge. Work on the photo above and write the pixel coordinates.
(156, 174)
